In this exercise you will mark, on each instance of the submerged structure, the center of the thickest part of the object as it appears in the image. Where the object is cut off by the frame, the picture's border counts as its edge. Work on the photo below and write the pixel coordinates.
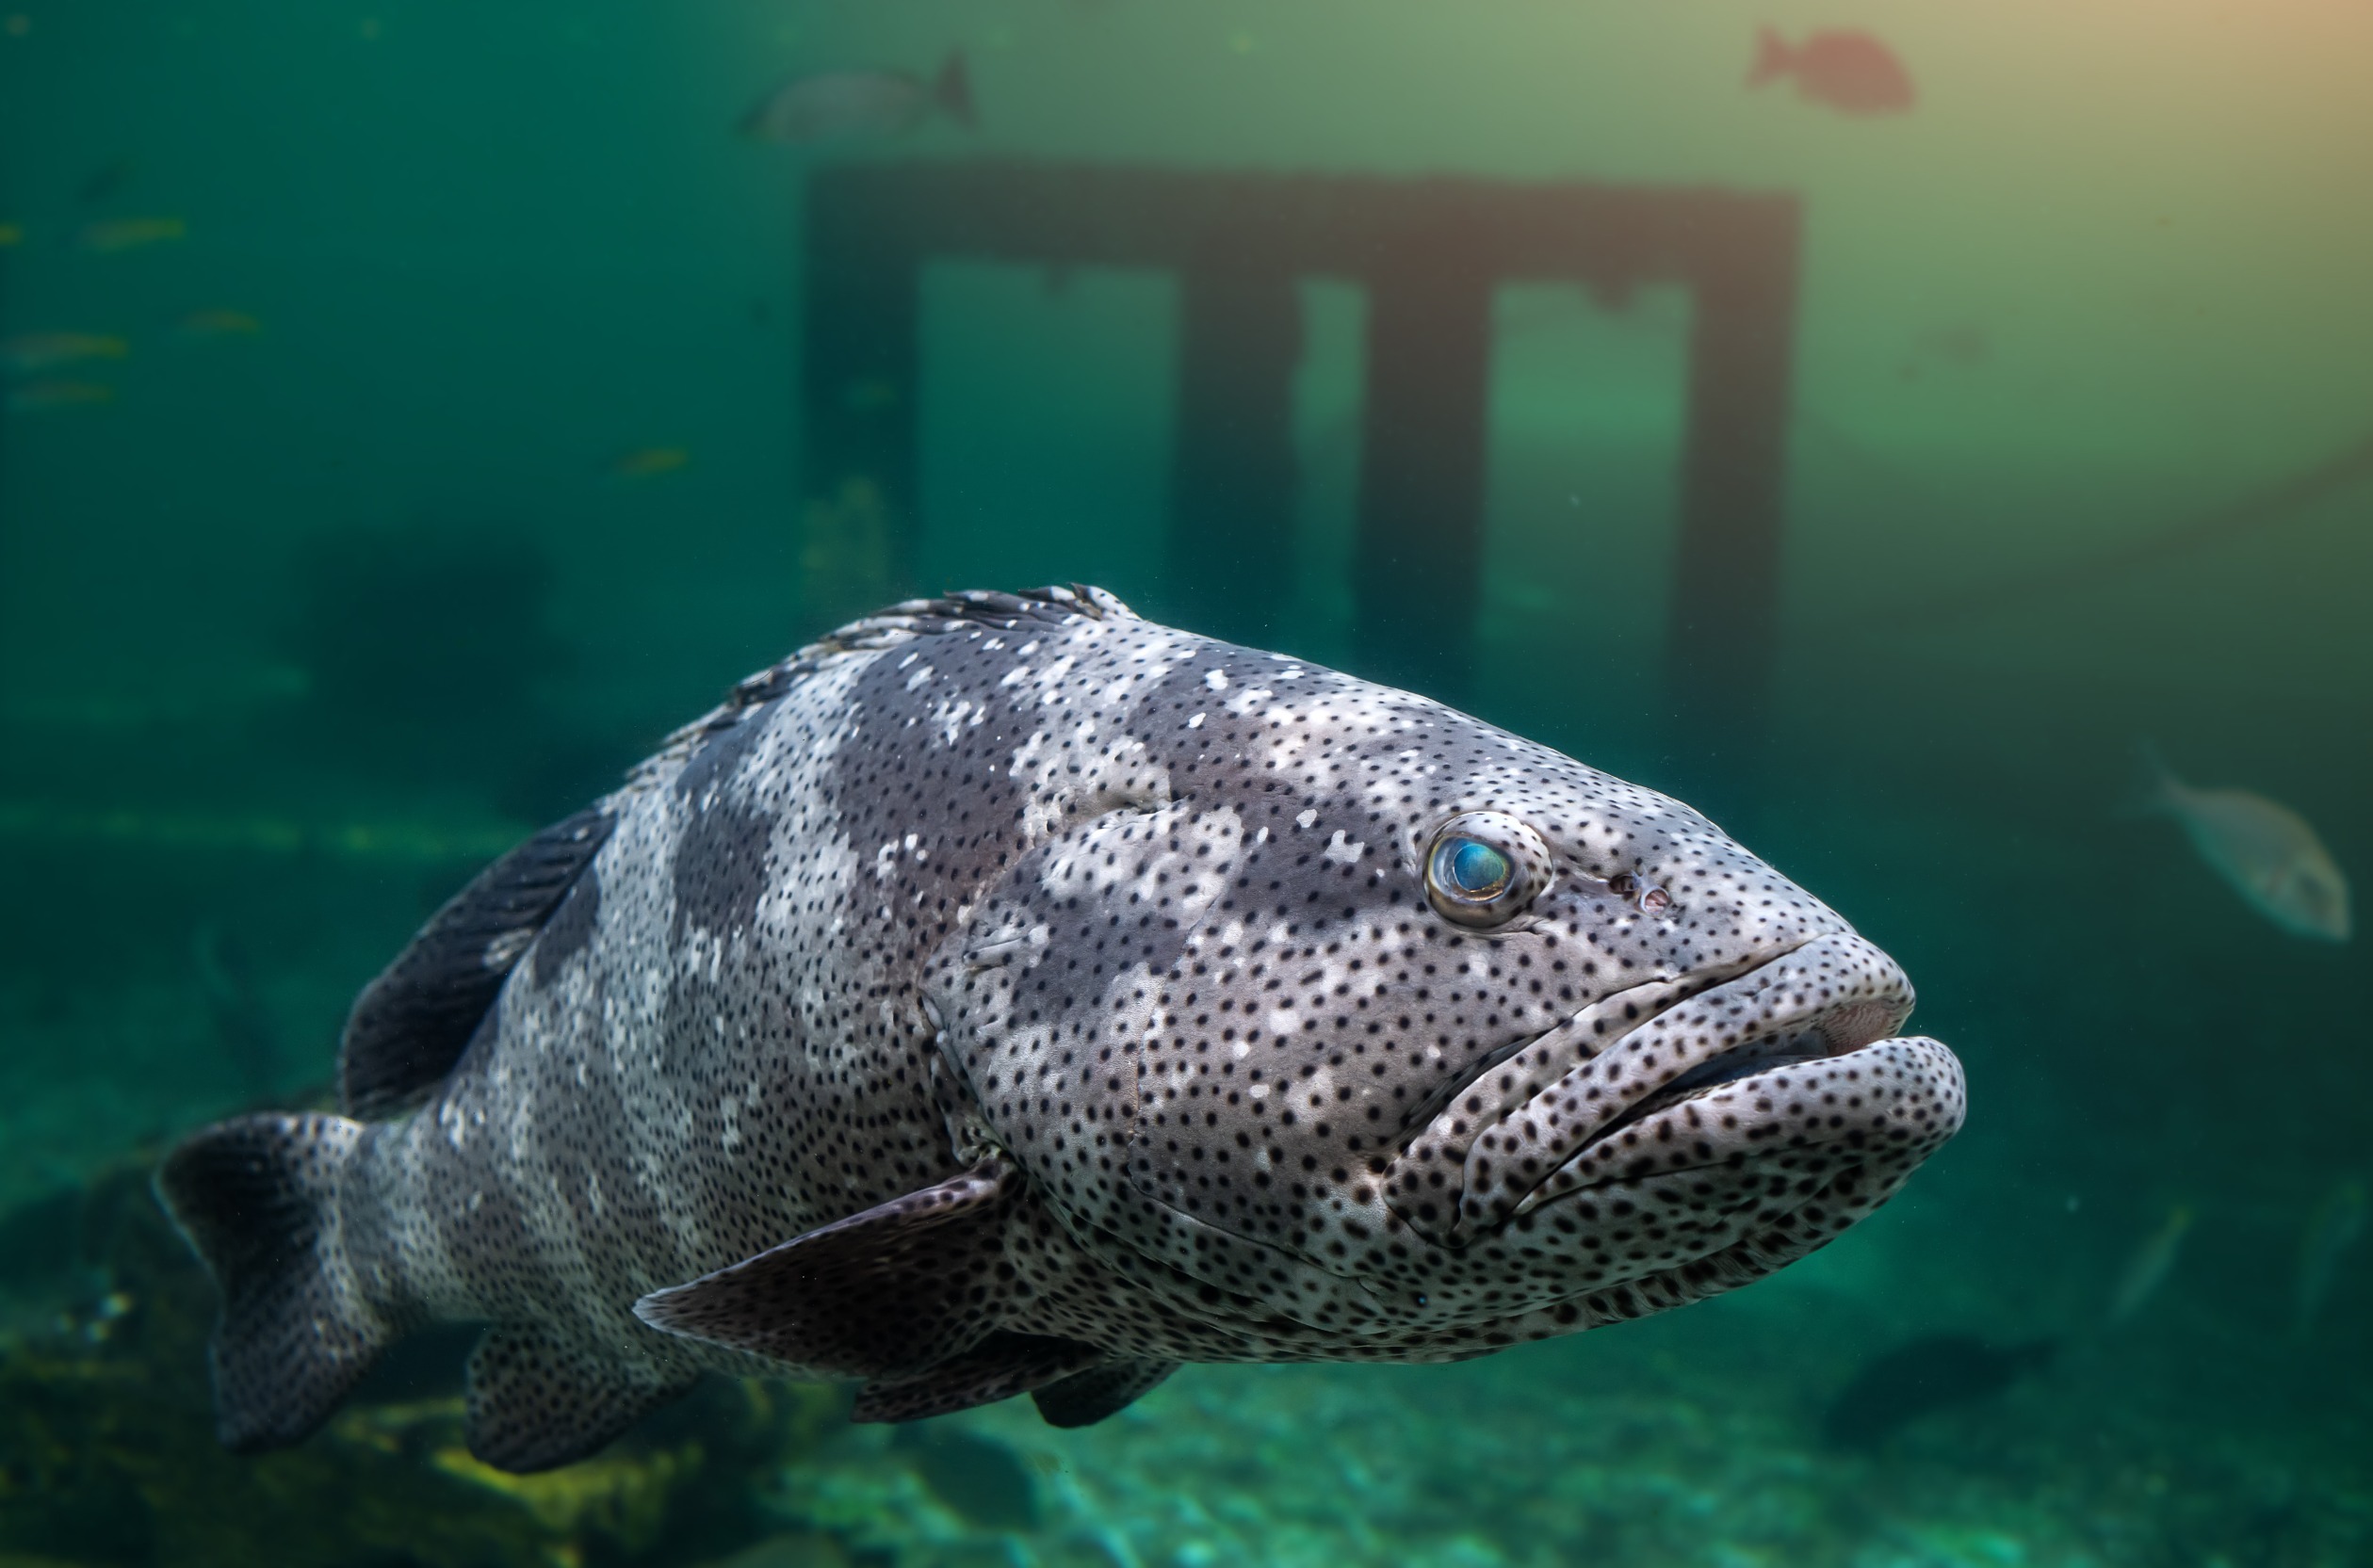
(1428, 253)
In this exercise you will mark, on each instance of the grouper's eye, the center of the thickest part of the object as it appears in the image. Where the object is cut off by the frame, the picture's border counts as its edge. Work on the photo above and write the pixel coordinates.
(1484, 867)
(1469, 868)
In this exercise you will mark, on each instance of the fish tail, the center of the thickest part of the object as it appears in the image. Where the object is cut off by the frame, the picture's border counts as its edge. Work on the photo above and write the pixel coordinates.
(255, 1197)
(1773, 57)
(952, 92)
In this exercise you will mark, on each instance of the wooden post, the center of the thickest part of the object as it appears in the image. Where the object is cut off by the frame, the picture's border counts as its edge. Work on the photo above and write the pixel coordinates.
(1417, 566)
(1723, 633)
(859, 380)
(1429, 252)
(1232, 485)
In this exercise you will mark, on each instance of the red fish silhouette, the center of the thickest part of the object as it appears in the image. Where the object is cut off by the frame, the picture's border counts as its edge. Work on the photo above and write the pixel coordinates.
(1852, 73)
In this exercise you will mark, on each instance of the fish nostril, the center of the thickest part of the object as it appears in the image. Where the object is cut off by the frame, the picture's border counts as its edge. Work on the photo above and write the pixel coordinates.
(1639, 892)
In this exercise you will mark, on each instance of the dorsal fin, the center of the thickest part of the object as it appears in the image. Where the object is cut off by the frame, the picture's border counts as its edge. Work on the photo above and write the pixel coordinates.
(410, 1025)
(900, 622)
(912, 618)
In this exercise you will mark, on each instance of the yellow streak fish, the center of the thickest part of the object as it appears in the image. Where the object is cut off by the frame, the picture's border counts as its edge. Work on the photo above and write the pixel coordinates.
(650, 462)
(11, 233)
(217, 324)
(2149, 1265)
(2267, 851)
(38, 397)
(29, 352)
(127, 234)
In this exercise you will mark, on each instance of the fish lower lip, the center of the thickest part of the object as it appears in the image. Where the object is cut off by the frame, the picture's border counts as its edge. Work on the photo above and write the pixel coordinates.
(1472, 1167)
(1740, 1061)
(1507, 1078)
(1903, 1098)
(1503, 1082)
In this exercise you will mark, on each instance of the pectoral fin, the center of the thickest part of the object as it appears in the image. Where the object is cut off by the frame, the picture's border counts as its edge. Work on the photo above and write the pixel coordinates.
(884, 1294)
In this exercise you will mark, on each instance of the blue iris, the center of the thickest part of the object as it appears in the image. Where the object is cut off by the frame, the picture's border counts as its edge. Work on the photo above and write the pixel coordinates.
(1473, 868)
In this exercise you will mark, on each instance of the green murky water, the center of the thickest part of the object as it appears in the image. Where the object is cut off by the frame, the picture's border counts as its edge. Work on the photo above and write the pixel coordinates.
(407, 428)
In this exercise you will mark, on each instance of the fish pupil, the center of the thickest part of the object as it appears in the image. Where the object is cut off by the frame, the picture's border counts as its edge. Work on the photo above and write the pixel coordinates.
(1476, 869)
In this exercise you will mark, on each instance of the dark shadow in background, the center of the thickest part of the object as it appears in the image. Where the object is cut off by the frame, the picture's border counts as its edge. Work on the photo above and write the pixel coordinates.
(428, 658)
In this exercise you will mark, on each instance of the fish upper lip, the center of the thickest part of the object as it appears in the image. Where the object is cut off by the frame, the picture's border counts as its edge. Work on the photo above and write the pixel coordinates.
(1482, 1157)
(1425, 1176)
(1508, 1078)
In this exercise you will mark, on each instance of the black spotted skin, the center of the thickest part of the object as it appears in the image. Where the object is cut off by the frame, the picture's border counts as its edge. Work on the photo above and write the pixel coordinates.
(1027, 879)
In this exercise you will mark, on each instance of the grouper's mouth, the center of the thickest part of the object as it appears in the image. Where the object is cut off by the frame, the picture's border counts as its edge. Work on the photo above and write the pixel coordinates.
(1611, 1093)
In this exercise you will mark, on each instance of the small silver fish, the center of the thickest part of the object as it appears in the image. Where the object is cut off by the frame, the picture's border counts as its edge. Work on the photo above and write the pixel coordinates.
(2266, 850)
(845, 106)
(2337, 1225)
(2151, 1262)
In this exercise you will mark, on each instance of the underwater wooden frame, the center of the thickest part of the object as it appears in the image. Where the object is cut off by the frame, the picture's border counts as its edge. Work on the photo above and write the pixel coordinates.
(1428, 252)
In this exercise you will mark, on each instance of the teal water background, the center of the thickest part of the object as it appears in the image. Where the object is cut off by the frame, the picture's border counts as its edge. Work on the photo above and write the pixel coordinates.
(302, 624)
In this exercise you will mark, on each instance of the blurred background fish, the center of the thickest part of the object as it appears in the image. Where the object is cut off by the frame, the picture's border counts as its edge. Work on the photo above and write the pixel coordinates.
(2333, 1232)
(650, 461)
(218, 323)
(29, 353)
(845, 106)
(41, 397)
(1849, 72)
(112, 234)
(1922, 1377)
(2267, 851)
(11, 233)
(2149, 1265)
